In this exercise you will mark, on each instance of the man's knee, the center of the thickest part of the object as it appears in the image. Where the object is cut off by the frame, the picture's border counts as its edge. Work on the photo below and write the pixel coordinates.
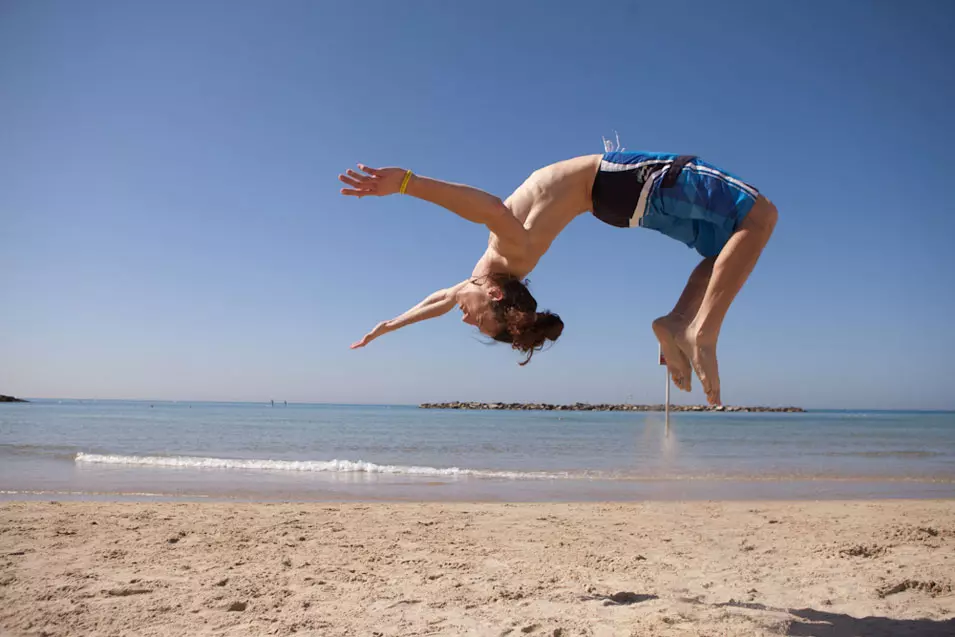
(764, 215)
(772, 214)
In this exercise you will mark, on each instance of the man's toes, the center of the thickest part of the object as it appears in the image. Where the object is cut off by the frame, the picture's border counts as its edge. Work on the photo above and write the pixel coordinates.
(705, 382)
(715, 394)
(699, 373)
(679, 381)
(684, 383)
(712, 391)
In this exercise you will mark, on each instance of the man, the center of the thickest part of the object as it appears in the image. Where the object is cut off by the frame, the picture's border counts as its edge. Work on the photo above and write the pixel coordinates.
(725, 219)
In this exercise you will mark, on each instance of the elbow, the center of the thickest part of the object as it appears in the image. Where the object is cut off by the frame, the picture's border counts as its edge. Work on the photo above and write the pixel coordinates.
(499, 209)
(496, 207)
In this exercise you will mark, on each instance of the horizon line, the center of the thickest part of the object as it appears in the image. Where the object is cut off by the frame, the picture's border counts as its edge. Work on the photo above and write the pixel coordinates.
(418, 404)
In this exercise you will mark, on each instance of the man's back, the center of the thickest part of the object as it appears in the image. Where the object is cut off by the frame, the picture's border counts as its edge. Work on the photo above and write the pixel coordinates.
(549, 199)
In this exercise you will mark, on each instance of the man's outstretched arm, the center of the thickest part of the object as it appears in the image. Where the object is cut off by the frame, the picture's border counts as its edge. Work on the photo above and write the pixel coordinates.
(465, 201)
(435, 304)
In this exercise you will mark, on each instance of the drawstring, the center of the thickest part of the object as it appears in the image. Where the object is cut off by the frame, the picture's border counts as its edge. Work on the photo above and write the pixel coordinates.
(608, 145)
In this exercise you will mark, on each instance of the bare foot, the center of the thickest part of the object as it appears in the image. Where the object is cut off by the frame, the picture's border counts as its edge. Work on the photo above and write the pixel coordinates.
(702, 356)
(678, 365)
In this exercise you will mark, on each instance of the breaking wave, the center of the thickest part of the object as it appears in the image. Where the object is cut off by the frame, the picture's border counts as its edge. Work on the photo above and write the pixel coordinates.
(317, 466)
(342, 467)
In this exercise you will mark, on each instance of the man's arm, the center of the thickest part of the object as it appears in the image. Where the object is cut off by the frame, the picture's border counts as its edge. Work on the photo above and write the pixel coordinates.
(469, 203)
(435, 304)
(465, 201)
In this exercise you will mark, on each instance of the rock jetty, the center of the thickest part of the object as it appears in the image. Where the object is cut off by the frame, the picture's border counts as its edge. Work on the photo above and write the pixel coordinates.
(604, 407)
(11, 399)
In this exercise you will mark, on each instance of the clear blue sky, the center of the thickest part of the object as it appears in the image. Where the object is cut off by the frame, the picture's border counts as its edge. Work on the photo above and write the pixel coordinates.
(171, 227)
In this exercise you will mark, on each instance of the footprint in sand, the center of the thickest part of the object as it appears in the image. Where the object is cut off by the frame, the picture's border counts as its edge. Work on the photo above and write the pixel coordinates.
(621, 598)
(932, 588)
(125, 592)
(862, 550)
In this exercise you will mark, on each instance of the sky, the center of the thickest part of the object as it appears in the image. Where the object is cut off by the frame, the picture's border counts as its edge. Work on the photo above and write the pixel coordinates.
(171, 225)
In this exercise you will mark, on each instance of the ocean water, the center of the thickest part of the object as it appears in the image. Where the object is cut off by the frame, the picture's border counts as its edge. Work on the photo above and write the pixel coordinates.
(242, 451)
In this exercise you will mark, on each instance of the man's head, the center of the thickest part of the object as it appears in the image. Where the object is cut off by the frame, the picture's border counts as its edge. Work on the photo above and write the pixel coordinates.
(501, 307)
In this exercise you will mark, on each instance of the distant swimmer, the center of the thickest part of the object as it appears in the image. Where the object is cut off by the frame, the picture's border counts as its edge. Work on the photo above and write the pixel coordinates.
(726, 220)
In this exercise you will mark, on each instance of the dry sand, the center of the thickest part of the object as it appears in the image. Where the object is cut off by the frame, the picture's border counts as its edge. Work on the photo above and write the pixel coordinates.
(808, 568)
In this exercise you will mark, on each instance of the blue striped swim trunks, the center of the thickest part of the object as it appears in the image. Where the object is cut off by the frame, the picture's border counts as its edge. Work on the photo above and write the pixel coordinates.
(681, 196)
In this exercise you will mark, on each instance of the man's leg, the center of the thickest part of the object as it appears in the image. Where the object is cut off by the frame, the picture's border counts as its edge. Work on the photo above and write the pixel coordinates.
(667, 327)
(730, 271)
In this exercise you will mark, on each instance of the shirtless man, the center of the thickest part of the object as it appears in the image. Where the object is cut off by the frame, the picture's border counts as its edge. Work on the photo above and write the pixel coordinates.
(726, 220)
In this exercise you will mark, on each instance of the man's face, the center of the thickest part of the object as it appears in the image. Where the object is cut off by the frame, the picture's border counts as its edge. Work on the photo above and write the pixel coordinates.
(475, 304)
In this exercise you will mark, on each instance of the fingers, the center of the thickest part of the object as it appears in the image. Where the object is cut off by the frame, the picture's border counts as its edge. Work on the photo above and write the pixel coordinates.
(360, 177)
(350, 181)
(370, 176)
(359, 190)
(352, 178)
(361, 185)
(358, 181)
(367, 338)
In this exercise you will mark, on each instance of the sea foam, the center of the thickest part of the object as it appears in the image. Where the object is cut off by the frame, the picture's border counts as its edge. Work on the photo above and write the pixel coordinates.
(327, 466)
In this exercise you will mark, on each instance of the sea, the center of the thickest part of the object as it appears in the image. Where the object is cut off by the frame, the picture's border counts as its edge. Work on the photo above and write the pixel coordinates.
(203, 451)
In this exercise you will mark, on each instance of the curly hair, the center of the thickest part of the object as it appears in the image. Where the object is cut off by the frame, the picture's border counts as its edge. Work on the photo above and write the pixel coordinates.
(522, 326)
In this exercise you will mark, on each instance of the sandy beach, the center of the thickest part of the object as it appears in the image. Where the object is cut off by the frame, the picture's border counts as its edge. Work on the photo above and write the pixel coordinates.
(788, 568)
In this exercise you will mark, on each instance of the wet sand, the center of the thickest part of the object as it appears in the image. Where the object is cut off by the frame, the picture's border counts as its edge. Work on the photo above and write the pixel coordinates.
(662, 568)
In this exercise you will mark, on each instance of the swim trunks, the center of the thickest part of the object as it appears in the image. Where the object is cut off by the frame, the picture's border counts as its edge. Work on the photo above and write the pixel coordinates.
(681, 196)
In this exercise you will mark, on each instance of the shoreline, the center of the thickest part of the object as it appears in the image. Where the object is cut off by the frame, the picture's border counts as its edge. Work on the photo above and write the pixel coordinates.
(728, 568)
(223, 487)
(607, 407)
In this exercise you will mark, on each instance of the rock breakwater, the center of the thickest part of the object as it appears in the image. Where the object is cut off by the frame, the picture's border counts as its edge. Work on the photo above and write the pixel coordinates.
(603, 407)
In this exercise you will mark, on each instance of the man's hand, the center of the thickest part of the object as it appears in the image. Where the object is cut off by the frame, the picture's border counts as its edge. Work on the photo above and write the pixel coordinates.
(376, 182)
(378, 330)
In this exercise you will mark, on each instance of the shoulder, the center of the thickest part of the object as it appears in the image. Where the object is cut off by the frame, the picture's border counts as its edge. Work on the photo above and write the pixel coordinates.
(504, 256)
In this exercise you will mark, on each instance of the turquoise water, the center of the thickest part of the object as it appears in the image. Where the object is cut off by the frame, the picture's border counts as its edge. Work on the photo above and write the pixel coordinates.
(123, 449)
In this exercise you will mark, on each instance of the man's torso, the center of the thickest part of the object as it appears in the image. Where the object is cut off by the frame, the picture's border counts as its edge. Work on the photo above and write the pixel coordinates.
(548, 200)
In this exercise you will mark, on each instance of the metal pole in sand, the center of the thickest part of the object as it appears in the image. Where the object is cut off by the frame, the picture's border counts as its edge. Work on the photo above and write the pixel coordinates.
(666, 375)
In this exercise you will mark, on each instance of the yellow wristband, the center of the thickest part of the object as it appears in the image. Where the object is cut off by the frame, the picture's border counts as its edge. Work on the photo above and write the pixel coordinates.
(404, 182)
